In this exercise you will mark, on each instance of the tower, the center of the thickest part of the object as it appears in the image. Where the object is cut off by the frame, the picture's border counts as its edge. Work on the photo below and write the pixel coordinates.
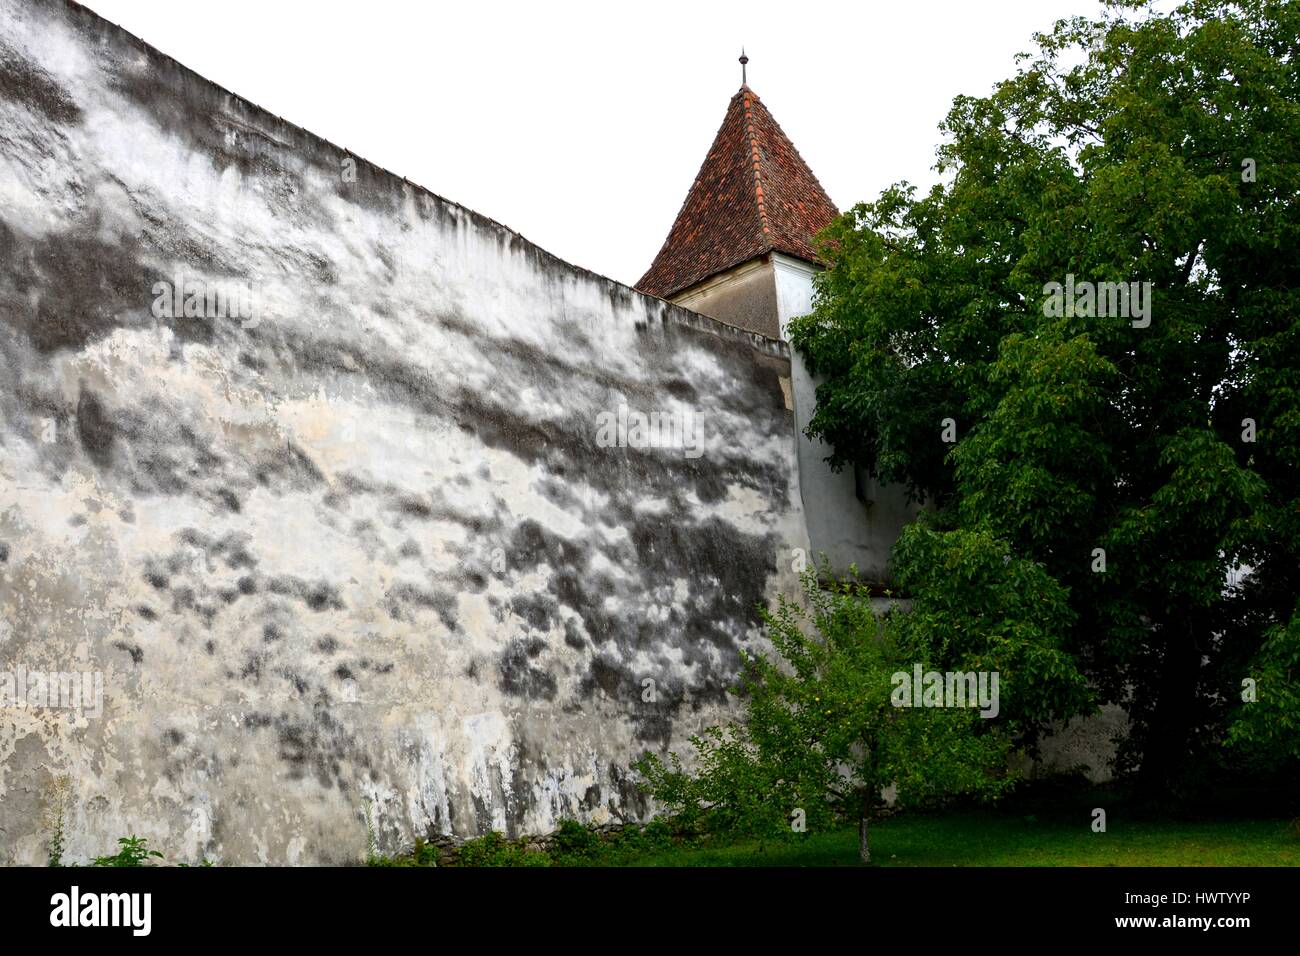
(742, 251)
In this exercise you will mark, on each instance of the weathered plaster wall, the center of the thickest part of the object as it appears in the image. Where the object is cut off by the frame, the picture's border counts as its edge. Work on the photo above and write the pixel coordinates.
(1084, 745)
(365, 546)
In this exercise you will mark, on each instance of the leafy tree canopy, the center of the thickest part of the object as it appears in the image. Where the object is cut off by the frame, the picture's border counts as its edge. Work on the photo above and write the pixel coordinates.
(1100, 468)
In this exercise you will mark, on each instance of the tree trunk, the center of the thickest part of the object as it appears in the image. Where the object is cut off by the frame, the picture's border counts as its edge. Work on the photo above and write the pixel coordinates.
(1164, 754)
(864, 841)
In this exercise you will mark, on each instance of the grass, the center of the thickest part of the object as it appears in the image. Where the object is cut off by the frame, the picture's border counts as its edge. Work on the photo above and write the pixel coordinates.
(1049, 829)
(990, 838)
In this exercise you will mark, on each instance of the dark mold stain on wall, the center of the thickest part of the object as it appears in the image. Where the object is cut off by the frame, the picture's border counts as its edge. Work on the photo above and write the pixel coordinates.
(27, 83)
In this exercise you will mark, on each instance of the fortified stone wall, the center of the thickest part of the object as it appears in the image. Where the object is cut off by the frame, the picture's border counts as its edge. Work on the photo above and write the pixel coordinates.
(318, 478)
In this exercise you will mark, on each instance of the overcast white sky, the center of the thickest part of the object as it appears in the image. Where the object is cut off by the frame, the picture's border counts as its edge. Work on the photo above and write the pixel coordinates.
(582, 125)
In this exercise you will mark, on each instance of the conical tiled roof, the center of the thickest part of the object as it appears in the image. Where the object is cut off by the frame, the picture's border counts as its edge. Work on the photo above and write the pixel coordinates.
(753, 195)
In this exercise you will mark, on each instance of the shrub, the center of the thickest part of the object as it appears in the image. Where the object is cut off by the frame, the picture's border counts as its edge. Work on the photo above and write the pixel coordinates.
(133, 852)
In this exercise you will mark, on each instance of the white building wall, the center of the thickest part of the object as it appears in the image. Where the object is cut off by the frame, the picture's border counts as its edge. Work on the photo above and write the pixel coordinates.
(846, 528)
(367, 549)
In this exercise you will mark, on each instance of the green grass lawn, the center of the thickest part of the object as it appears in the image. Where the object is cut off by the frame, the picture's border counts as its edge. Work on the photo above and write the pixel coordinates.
(1045, 825)
(993, 838)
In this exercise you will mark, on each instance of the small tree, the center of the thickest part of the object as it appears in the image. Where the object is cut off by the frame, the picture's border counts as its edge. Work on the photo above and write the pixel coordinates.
(823, 736)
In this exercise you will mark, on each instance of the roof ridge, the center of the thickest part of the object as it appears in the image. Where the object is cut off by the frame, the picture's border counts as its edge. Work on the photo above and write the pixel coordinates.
(746, 92)
(793, 148)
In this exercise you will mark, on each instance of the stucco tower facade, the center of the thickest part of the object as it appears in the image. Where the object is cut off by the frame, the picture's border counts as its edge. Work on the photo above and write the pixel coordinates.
(742, 250)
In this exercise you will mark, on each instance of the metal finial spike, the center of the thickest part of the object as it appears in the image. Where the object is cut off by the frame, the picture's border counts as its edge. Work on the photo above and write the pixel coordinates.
(743, 61)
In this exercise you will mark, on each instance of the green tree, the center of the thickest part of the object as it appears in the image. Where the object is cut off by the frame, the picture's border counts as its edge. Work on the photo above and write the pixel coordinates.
(1135, 458)
(1266, 728)
(823, 734)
